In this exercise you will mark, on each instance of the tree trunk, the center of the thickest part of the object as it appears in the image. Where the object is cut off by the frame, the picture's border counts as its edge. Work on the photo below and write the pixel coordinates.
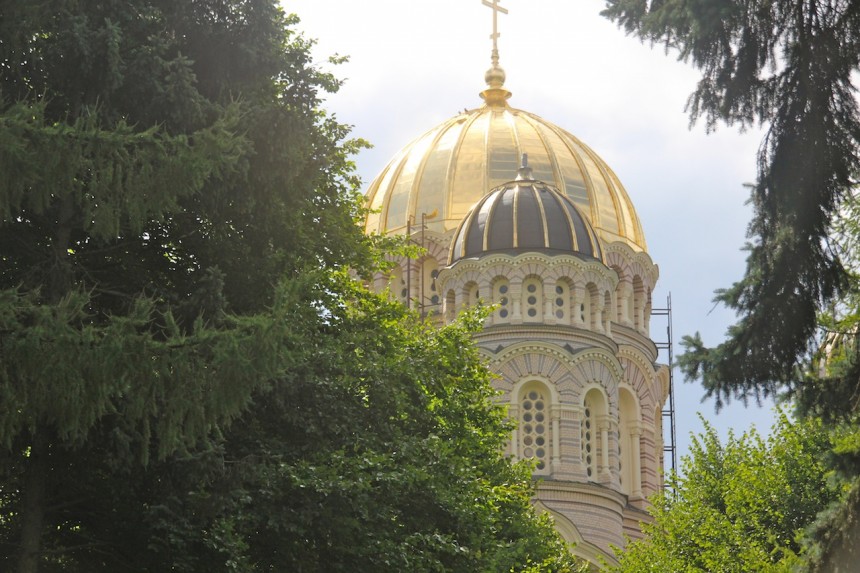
(33, 505)
(37, 468)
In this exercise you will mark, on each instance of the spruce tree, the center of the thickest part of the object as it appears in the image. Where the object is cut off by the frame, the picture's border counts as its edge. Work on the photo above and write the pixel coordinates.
(191, 378)
(165, 165)
(791, 67)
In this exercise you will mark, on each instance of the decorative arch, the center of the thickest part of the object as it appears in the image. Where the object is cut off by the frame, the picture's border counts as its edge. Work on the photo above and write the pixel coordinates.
(570, 533)
(597, 366)
(533, 360)
(534, 402)
(537, 426)
(429, 294)
(588, 307)
(397, 284)
(594, 444)
(450, 306)
(471, 293)
(632, 263)
(640, 375)
(532, 299)
(629, 431)
(561, 302)
(497, 268)
(501, 297)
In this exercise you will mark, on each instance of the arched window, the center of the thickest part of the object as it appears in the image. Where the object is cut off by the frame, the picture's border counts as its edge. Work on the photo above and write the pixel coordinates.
(561, 302)
(638, 314)
(585, 310)
(589, 306)
(628, 451)
(607, 311)
(450, 306)
(594, 408)
(471, 293)
(535, 426)
(429, 272)
(631, 309)
(502, 299)
(397, 284)
(532, 300)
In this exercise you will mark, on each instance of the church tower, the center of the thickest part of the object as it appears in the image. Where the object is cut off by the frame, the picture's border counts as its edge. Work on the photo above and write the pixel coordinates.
(515, 212)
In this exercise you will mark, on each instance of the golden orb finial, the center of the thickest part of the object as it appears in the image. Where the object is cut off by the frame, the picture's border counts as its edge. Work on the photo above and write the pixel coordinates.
(495, 94)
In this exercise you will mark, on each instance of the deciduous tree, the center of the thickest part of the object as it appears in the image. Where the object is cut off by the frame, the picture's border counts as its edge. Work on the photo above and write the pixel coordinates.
(740, 506)
(189, 379)
(790, 66)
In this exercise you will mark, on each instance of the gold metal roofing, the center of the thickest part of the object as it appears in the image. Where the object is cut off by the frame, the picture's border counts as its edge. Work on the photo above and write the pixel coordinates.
(450, 167)
(525, 215)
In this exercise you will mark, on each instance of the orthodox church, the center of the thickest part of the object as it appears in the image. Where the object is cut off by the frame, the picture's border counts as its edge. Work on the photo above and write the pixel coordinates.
(515, 212)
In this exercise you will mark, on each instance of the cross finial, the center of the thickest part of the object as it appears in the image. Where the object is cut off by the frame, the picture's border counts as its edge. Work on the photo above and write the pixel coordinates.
(495, 94)
(494, 6)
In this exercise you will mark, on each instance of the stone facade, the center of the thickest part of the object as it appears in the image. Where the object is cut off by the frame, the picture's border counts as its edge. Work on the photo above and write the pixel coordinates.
(569, 339)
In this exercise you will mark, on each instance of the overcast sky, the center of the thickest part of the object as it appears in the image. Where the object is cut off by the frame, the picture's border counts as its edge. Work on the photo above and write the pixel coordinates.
(414, 64)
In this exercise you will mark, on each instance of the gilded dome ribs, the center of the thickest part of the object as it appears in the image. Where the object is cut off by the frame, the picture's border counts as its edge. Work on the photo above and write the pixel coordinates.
(451, 167)
(556, 250)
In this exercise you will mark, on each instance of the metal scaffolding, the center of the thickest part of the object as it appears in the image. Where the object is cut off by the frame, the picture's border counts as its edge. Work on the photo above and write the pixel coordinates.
(664, 348)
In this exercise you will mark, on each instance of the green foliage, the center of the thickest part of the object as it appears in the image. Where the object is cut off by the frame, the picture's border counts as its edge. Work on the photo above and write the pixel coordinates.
(791, 67)
(375, 447)
(383, 454)
(115, 180)
(190, 380)
(167, 389)
(740, 506)
(832, 545)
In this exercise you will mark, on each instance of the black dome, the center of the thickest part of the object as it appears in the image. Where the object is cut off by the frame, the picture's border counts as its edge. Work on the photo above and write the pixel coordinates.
(525, 215)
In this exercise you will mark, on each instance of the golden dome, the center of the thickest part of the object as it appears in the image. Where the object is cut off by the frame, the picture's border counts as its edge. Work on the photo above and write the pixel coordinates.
(449, 168)
(525, 215)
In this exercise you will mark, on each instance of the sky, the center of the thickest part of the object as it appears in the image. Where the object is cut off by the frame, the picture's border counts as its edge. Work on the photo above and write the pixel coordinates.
(414, 64)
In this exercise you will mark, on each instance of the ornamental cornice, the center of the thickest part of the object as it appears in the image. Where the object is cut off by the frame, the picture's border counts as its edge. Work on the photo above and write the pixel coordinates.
(635, 354)
(583, 548)
(628, 336)
(483, 263)
(558, 334)
(522, 348)
(443, 239)
(607, 358)
(582, 493)
(634, 258)
(641, 375)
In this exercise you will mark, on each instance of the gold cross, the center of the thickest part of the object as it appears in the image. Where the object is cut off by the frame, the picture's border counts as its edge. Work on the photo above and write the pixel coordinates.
(494, 6)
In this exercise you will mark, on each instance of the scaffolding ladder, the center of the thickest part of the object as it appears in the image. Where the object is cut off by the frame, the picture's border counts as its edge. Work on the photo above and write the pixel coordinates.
(664, 347)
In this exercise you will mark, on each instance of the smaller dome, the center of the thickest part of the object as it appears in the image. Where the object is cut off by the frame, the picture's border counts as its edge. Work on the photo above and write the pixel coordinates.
(525, 215)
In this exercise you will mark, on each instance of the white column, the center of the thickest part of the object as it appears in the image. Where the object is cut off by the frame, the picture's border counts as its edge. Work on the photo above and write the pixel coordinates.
(603, 425)
(577, 299)
(548, 298)
(555, 414)
(625, 291)
(635, 436)
(516, 294)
